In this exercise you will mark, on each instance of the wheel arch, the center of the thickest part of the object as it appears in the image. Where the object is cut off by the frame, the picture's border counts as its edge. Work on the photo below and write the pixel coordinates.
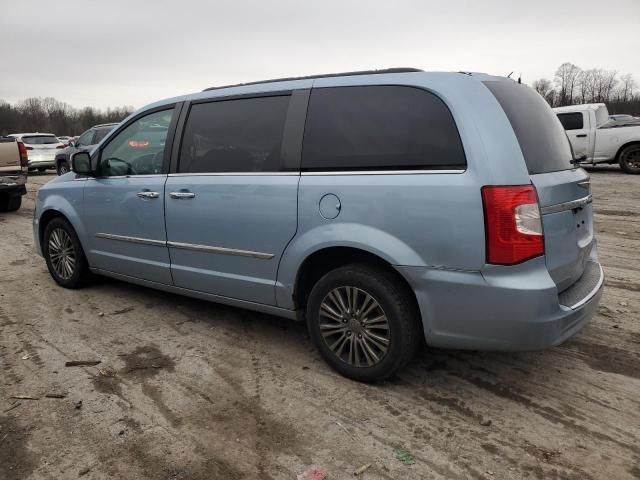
(323, 260)
(49, 213)
(628, 144)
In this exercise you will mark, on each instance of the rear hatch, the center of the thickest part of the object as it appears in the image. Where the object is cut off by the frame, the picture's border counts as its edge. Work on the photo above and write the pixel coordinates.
(564, 191)
(41, 147)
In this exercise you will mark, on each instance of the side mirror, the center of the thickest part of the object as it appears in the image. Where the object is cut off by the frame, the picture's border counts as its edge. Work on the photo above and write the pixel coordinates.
(81, 163)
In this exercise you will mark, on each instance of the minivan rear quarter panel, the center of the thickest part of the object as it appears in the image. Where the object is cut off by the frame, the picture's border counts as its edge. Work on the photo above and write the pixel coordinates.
(429, 219)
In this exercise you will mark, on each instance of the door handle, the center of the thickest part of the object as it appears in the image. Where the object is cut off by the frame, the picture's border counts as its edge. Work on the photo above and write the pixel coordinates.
(581, 135)
(181, 195)
(147, 194)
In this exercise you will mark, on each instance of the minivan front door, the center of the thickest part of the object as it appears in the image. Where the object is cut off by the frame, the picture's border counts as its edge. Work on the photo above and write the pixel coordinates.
(231, 209)
(124, 204)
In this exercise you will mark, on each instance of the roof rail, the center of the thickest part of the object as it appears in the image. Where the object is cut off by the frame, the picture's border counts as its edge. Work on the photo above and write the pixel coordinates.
(325, 75)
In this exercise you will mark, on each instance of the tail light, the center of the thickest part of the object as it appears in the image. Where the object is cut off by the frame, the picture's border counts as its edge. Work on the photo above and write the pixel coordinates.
(60, 146)
(24, 156)
(138, 143)
(513, 226)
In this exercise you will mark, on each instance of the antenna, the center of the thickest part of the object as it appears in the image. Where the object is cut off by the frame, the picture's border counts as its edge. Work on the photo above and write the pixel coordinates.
(520, 78)
(509, 76)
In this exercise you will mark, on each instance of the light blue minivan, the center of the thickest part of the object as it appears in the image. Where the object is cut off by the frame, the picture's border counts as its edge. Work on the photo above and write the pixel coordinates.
(386, 208)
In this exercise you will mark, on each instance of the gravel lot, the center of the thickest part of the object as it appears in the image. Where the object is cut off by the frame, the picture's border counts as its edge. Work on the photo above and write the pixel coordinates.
(192, 390)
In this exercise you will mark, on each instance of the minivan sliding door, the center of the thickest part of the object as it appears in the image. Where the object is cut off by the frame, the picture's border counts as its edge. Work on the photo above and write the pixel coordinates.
(231, 207)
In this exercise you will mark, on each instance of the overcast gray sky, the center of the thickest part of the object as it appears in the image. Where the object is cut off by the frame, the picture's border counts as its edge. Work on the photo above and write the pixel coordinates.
(115, 52)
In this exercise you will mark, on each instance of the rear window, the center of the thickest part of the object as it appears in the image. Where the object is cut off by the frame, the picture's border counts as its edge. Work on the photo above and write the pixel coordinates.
(571, 121)
(101, 132)
(542, 139)
(379, 128)
(39, 139)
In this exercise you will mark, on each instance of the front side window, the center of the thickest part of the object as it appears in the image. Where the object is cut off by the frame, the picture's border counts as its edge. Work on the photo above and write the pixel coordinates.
(242, 135)
(571, 121)
(379, 128)
(139, 148)
(101, 132)
(85, 139)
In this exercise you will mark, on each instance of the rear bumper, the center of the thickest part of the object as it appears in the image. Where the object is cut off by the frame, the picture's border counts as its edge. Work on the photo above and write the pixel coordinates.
(503, 308)
(13, 182)
(49, 163)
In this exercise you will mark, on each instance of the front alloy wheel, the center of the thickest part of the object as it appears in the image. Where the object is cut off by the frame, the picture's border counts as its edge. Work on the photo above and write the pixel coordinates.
(62, 253)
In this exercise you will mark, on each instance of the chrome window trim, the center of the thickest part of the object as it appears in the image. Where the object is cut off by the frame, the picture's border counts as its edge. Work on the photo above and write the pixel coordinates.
(234, 174)
(561, 207)
(125, 238)
(328, 172)
(221, 250)
(152, 175)
(592, 293)
(384, 172)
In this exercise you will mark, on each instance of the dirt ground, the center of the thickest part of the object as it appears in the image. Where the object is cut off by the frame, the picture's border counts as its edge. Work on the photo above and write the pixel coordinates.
(193, 390)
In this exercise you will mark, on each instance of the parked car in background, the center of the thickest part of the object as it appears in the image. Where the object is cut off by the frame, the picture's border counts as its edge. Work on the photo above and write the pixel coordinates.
(385, 208)
(84, 142)
(41, 148)
(13, 173)
(64, 139)
(596, 138)
(623, 117)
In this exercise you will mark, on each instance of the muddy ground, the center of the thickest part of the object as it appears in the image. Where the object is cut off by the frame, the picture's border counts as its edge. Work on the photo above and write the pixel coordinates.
(192, 390)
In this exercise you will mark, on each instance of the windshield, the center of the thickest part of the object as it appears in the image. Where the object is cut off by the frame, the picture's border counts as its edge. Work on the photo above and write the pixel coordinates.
(39, 139)
(542, 138)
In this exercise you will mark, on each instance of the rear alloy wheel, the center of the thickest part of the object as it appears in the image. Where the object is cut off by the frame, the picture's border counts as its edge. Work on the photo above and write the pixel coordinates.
(64, 255)
(63, 167)
(354, 326)
(364, 322)
(629, 159)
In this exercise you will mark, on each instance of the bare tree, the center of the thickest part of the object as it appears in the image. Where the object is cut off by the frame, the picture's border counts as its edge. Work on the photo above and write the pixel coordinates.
(567, 78)
(627, 86)
(545, 88)
(52, 116)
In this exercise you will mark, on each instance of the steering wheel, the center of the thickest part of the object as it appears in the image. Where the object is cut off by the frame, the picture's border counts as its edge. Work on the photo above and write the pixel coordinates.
(129, 168)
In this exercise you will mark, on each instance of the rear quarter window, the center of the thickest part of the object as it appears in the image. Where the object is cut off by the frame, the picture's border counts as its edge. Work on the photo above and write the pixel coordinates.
(542, 138)
(379, 128)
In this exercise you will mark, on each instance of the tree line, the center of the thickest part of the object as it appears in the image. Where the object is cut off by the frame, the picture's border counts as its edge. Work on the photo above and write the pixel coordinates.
(48, 115)
(572, 85)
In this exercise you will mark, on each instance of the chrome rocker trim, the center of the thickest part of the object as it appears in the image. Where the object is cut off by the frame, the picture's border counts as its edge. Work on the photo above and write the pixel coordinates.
(186, 246)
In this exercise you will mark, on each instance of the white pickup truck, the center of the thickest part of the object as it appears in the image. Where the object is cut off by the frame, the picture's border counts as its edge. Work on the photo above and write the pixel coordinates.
(596, 138)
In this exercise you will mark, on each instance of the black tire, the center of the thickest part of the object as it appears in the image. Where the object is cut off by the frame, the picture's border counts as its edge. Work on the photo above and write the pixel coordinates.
(629, 159)
(80, 275)
(10, 203)
(42, 169)
(397, 304)
(63, 167)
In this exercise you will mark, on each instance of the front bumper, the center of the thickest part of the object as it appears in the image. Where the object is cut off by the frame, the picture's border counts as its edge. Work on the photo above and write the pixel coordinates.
(502, 308)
